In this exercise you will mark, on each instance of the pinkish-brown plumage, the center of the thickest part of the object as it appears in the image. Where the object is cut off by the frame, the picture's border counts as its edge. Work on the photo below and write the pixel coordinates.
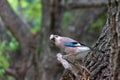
(60, 41)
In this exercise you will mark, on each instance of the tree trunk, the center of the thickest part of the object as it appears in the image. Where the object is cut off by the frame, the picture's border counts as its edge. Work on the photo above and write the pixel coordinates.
(51, 24)
(104, 66)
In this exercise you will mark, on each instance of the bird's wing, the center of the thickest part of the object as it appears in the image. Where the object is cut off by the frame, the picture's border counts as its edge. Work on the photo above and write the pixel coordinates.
(72, 44)
(75, 44)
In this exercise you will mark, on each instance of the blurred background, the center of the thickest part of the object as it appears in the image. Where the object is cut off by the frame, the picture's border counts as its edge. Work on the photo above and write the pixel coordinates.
(25, 25)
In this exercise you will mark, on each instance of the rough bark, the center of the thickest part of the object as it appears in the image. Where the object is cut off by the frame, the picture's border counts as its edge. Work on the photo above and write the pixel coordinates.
(102, 65)
(114, 24)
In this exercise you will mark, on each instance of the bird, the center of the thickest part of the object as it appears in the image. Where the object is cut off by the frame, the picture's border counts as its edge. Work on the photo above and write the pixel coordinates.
(69, 45)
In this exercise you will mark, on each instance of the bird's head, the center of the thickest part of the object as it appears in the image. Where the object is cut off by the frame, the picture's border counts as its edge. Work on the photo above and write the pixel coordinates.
(55, 38)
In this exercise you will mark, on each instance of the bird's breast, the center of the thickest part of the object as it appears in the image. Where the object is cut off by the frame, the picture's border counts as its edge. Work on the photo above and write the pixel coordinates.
(70, 50)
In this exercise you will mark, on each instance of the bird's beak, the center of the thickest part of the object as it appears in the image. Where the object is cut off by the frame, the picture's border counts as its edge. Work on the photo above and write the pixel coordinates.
(52, 38)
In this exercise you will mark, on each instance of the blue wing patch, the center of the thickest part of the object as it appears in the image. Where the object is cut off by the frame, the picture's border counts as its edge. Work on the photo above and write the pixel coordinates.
(70, 44)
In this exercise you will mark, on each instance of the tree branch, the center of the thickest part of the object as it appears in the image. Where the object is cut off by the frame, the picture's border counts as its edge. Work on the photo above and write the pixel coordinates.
(79, 71)
(78, 5)
(2, 30)
(11, 72)
(19, 29)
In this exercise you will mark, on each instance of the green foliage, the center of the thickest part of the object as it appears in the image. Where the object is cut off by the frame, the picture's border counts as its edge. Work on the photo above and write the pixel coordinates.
(14, 4)
(67, 17)
(99, 23)
(35, 29)
(13, 44)
(5, 48)
(31, 11)
(10, 78)
(4, 58)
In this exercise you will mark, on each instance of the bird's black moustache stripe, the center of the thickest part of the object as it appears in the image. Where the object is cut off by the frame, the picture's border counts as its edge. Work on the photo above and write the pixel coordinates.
(53, 39)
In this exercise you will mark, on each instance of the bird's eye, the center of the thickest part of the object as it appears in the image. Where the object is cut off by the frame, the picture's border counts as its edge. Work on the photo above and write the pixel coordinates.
(56, 36)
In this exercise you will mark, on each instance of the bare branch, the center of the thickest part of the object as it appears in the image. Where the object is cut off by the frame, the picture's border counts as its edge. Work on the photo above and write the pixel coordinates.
(11, 72)
(65, 63)
(78, 5)
(14, 23)
(79, 71)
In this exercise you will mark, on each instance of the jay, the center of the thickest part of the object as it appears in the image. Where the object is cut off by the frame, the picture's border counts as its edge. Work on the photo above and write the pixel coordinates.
(69, 46)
